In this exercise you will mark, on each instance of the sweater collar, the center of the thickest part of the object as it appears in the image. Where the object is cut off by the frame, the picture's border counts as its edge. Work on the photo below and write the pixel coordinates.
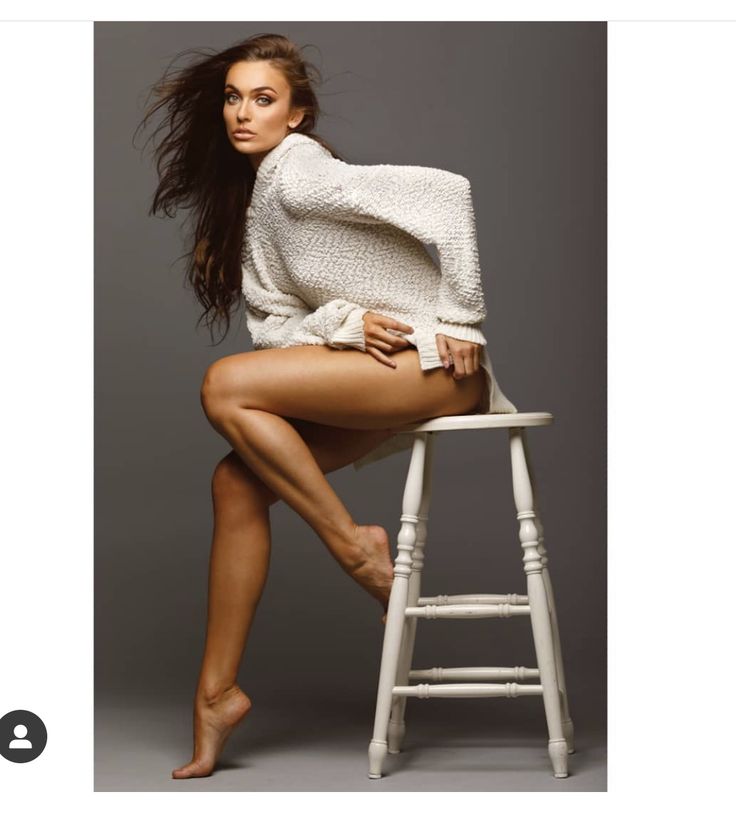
(271, 160)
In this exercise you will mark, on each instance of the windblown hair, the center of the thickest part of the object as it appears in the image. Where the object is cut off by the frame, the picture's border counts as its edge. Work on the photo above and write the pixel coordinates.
(199, 170)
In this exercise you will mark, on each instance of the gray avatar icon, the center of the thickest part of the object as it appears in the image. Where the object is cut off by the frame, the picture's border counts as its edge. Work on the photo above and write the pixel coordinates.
(20, 731)
(22, 735)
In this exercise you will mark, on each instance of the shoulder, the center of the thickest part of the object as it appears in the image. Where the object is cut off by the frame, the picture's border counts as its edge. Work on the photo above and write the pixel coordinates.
(308, 174)
(309, 178)
(301, 156)
(291, 151)
(296, 149)
(290, 148)
(305, 155)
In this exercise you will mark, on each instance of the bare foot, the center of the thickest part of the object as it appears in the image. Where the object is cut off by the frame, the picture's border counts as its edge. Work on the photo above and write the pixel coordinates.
(213, 723)
(376, 573)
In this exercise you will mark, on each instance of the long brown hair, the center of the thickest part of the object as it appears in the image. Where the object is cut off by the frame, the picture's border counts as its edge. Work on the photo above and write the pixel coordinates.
(199, 170)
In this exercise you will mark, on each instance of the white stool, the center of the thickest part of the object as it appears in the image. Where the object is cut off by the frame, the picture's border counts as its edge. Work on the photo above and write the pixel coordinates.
(406, 607)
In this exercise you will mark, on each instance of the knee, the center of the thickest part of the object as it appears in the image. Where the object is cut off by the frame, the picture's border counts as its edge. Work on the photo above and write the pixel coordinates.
(233, 479)
(227, 473)
(216, 388)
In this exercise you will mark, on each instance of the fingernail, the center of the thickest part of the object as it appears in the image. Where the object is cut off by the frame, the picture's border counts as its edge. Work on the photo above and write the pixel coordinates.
(445, 363)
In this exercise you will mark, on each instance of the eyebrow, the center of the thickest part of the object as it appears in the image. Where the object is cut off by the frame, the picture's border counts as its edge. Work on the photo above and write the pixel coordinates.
(259, 88)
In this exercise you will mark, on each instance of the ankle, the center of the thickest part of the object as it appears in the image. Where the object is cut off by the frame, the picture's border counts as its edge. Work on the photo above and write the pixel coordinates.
(346, 546)
(212, 692)
(361, 554)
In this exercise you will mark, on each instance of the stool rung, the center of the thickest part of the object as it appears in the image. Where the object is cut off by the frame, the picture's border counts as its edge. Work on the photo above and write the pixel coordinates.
(432, 612)
(425, 691)
(441, 600)
(439, 674)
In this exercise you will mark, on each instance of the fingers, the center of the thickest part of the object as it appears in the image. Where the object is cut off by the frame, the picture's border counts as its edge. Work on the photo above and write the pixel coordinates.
(391, 323)
(470, 363)
(374, 352)
(378, 332)
(395, 344)
(464, 358)
(462, 366)
(443, 350)
(465, 363)
(391, 341)
(387, 322)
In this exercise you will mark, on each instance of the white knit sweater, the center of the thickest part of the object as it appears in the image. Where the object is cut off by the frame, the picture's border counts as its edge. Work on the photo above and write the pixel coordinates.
(327, 241)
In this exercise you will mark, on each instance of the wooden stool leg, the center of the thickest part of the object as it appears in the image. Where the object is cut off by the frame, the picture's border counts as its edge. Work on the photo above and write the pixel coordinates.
(538, 604)
(396, 723)
(397, 604)
(567, 724)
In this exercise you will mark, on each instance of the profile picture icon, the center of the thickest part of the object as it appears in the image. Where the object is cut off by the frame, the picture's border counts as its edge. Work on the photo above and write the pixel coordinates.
(20, 743)
(22, 735)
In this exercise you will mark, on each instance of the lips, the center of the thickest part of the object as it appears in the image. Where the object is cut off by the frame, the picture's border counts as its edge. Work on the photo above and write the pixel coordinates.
(244, 132)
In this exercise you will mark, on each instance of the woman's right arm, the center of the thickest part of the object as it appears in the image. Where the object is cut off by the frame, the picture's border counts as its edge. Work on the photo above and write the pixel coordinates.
(338, 323)
(277, 319)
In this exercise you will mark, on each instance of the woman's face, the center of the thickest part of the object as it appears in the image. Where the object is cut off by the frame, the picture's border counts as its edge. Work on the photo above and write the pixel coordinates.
(257, 98)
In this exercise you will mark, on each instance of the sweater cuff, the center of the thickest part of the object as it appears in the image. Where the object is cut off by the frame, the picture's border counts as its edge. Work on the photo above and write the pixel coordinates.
(462, 331)
(351, 331)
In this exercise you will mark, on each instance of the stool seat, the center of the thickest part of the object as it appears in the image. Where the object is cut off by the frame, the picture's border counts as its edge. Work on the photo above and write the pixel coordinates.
(407, 607)
(462, 422)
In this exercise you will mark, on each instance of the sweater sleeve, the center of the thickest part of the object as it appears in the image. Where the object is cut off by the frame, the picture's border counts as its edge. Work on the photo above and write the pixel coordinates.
(433, 205)
(338, 324)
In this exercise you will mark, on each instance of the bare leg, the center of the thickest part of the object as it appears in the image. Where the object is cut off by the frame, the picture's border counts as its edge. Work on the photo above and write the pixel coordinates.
(238, 570)
(247, 396)
(273, 449)
(241, 548)
(278, 457)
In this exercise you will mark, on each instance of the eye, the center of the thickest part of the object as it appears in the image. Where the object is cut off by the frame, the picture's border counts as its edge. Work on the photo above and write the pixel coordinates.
(229, 95)
(267, 98)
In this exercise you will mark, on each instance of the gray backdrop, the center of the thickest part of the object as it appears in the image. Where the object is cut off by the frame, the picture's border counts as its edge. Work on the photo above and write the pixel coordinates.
(519, 108)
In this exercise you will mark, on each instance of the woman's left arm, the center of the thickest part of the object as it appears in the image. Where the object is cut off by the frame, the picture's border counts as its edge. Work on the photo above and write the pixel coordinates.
(433, 205)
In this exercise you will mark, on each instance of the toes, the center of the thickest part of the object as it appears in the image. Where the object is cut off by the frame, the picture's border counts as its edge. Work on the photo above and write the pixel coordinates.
(192, 769)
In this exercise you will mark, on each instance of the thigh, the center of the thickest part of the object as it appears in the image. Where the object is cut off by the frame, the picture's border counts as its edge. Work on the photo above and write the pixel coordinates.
(345, 388)
(334, 447)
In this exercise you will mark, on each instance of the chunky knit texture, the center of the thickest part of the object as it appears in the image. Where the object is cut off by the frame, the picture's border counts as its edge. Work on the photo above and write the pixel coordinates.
(327, 241)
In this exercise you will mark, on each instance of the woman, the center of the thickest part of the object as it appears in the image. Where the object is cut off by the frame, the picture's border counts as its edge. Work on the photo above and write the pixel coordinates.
(356, 329)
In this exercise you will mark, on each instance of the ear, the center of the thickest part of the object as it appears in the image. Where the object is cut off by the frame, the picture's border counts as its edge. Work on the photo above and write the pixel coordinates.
(296, 119)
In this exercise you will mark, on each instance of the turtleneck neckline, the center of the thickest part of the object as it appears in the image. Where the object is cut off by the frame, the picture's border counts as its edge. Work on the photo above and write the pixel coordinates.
(271, 159)
(276, 152)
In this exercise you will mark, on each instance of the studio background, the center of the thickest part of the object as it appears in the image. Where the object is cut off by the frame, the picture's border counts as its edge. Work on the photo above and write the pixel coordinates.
(518, 108)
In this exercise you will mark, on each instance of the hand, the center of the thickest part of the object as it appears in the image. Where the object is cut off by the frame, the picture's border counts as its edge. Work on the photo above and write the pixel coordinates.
(463, 355)
(378, 340)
